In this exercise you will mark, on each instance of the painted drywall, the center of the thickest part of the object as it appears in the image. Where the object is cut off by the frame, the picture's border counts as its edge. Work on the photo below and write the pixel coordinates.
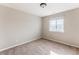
(17, 27)
(70, 36)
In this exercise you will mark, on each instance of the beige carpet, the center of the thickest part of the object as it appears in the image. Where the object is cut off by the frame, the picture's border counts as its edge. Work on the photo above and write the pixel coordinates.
(41, 47)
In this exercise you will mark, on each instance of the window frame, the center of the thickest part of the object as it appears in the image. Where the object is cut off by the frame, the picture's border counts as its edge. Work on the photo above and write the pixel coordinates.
(55, 19)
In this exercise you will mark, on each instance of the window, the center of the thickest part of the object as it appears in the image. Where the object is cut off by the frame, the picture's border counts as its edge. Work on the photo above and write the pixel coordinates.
(56, 24)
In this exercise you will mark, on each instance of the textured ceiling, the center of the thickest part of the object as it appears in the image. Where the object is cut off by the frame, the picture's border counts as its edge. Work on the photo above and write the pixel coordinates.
(35, 9)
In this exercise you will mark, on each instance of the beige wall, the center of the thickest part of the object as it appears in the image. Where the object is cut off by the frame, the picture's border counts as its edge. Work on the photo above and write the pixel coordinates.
(17, 27)
(71, 28)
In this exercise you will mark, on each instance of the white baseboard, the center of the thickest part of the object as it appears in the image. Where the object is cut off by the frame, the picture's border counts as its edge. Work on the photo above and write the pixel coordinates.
(20, 44)
(48, 38)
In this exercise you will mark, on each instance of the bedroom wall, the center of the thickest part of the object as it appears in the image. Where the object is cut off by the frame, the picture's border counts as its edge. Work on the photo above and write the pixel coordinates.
(17, 27)
(70, 36)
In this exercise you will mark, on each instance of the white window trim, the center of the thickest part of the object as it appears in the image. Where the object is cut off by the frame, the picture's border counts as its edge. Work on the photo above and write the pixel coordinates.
(55, 19)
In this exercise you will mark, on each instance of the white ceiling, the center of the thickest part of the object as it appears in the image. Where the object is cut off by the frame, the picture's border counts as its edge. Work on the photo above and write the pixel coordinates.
(35, 9)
